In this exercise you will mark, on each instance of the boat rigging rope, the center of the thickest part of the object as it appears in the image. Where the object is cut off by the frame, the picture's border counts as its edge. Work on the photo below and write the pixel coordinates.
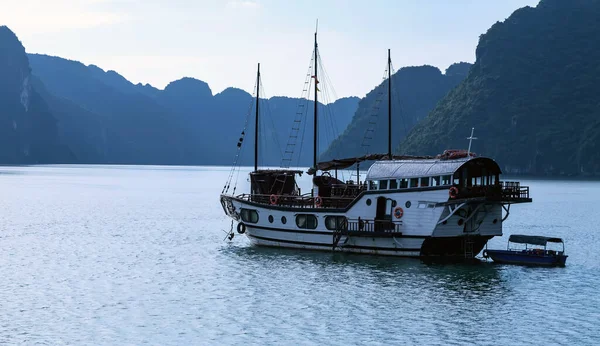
(240, 146)
(398, 104)
(301, 111)
(307, 102)
(373, 117)
(269, 115)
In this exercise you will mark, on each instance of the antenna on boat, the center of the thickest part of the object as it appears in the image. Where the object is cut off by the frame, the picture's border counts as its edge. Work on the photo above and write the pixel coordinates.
(389, 105)
(470, 141)
(316, 102)
(256, 119)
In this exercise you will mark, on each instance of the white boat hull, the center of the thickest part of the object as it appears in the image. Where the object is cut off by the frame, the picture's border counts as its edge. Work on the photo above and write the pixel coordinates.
(426, 225)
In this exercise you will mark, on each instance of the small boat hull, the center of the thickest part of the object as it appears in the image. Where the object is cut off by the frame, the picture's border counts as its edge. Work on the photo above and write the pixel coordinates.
(526, 257)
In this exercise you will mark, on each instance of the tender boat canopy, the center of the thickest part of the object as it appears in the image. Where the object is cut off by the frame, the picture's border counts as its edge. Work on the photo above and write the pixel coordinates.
(400, 169)
(533, 239)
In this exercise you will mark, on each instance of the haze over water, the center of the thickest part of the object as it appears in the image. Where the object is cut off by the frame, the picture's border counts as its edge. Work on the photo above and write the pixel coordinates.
(133, 255)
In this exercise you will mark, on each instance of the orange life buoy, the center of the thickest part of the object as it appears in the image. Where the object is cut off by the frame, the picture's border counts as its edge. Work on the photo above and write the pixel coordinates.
(453, 192)
(398, 212)
(318, 201)
(273, 199)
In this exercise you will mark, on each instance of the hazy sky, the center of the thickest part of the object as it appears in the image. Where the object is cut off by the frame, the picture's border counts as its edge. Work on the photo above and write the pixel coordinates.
(220, 42)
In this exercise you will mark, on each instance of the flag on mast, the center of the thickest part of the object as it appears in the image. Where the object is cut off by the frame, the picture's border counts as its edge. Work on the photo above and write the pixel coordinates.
(316, 81)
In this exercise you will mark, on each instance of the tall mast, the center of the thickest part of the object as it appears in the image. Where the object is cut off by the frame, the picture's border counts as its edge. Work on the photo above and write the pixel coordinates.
(315, 118)
(389, 106)
(256, 119)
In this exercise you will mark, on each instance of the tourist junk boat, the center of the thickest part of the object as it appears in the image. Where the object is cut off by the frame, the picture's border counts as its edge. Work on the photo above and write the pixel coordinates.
(446, 206)
(529, 255)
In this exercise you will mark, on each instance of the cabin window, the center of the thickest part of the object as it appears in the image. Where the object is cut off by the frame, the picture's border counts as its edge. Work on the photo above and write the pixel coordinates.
(336, 222)
(424, 182)
(492, 180)
(249, 215)
(414, 182)
(446, 179)
(383, 185)
(372, 185)
(393, 184)
(435, 181)
(306, 221)
(403, 183)
(456, 181)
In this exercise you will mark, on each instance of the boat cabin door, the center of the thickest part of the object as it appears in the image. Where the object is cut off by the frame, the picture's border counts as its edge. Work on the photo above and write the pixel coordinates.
(383, 216)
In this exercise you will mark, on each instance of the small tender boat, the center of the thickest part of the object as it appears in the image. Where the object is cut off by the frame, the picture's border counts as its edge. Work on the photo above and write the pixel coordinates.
(530, 255)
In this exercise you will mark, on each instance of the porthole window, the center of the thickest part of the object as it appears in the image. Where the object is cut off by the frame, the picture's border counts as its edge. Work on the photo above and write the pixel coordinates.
(407, 204)
(249, 215)
(336, 222)
(270, 218)
(460, 222)
(394, 204)
(368, 201)
(495, 221)
(283, 220)
(306, 221)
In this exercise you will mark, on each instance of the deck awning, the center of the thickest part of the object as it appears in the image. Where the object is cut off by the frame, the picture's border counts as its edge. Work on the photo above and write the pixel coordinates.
(412, 168)
(533, 239)
(415, 168)
(350, 161)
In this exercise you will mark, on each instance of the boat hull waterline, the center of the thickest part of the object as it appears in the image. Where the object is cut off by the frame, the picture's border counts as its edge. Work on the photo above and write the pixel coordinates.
(426, 229)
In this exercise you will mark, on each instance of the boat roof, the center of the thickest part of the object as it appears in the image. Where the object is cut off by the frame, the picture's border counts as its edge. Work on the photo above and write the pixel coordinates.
(533, 239)
(414, 168)
(351, 161)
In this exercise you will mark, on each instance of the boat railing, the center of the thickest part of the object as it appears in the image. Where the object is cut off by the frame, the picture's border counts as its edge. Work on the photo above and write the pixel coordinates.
(512, 190)
(504, 190)
(372, 226)
(298, 201)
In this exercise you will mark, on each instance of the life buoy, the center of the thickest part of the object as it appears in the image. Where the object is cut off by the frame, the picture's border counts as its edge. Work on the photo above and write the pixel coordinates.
(398, 212)
(273, 199)
(241, 228)
(318, 201)
(453, 192)
(485, 254)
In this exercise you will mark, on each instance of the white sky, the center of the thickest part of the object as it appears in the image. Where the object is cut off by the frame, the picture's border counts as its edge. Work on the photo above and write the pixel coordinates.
(220, 42)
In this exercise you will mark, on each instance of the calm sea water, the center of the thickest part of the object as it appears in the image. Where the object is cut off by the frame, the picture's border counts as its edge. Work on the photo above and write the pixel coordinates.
(135, 255)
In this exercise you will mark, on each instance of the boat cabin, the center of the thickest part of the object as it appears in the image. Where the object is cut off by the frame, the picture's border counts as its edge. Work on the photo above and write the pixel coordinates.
(264, 183)
(472, 177)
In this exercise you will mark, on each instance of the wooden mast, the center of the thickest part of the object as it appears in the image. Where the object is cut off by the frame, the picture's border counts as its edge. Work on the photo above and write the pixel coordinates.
(315, 111)
(389, 106)
(256, 119)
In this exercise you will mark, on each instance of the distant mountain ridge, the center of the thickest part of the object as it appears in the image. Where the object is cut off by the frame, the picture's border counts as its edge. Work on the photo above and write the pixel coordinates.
(28, 129)
(185, 123)
(532, 94)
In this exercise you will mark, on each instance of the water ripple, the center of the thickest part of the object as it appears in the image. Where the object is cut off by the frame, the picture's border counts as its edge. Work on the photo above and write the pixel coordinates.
(122, 255)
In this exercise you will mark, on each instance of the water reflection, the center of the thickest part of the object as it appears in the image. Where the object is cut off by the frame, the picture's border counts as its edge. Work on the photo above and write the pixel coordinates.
(467, 279)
